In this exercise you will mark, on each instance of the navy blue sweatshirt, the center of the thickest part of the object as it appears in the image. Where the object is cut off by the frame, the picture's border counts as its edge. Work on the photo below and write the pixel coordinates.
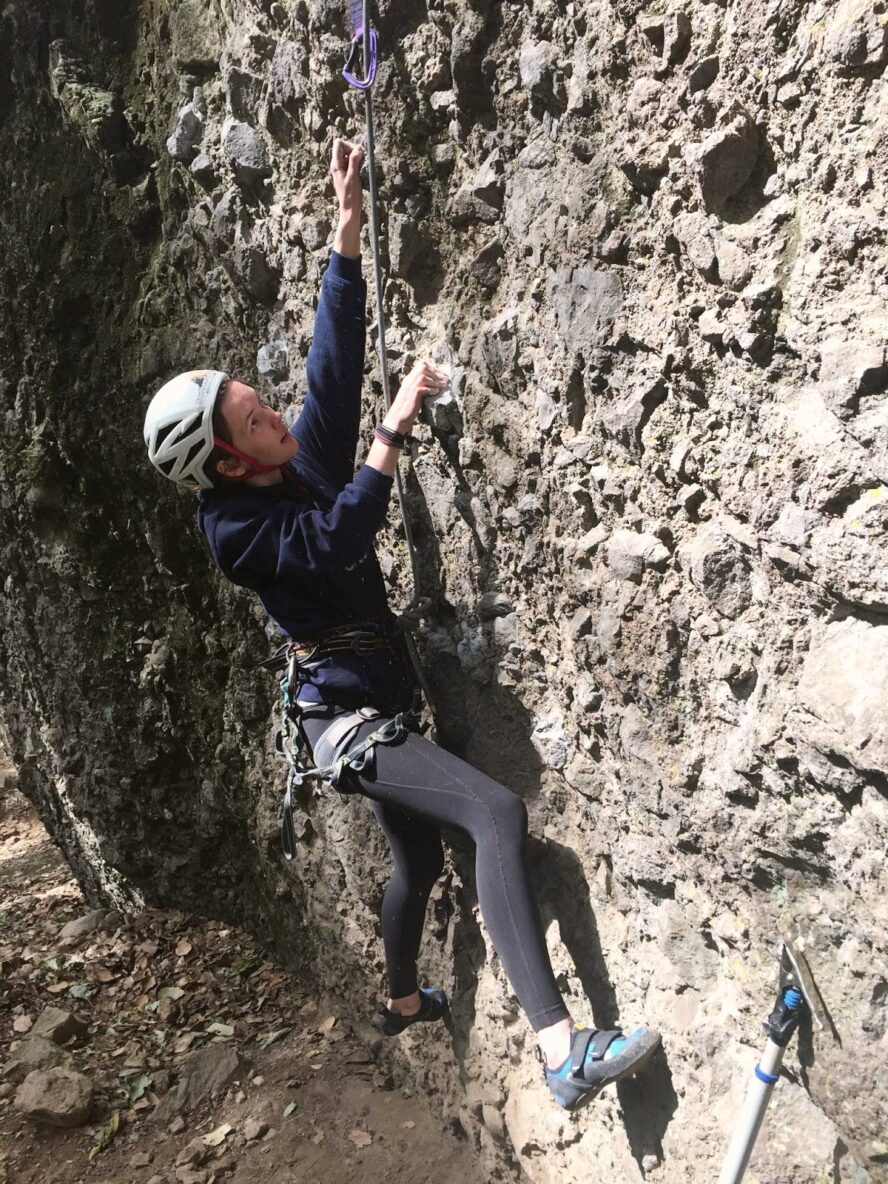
(308, 552)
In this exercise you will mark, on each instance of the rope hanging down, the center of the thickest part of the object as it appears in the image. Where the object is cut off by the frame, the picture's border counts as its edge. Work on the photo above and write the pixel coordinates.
(366, 38)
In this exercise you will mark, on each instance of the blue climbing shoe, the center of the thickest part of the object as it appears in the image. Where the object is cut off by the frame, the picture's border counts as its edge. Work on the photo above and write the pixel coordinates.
(432, 1005)
(596, 1059)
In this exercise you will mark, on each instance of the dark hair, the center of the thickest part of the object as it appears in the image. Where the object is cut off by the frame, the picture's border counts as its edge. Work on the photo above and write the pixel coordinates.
(222, 430)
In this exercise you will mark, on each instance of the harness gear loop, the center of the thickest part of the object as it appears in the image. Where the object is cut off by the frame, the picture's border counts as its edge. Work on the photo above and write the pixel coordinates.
(359, 11)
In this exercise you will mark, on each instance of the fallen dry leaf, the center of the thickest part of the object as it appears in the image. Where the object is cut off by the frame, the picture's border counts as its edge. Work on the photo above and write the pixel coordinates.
(183, 947)
(360, 1138)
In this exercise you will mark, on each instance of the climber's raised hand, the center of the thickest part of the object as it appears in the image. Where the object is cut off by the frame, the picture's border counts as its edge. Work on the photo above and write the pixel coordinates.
(345, 169)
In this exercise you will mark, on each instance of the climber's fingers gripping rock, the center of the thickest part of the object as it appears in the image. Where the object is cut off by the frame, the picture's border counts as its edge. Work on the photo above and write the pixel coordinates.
(424, 379)
(345, 169)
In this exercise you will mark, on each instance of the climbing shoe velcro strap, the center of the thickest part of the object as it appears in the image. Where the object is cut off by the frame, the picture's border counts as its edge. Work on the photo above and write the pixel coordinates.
(599, 1041)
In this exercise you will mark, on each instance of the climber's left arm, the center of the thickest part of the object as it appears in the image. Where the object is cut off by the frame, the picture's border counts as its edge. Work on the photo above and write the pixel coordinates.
(327, 428)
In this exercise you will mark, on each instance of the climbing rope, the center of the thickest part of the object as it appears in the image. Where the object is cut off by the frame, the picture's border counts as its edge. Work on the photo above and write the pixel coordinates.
(366, 39)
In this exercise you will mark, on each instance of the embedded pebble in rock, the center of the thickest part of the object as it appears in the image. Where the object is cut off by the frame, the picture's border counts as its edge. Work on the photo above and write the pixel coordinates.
(183, 143)
(536, 65)
(628, 554)
(246, 151)
(734, 267)
(703, 73)
(647, 243)
(272, 361)
(670, 34)
(856, 35)
(441, 411)
(481, 197)
(586, 303)
(719, 569)
(727, 159)
(842, 689)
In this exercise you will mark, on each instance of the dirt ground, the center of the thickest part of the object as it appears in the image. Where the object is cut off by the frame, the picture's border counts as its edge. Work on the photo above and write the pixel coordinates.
(310, 1105)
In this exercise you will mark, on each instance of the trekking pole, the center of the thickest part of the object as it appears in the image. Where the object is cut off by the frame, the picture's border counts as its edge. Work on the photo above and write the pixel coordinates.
(797, 997)
(366, 38)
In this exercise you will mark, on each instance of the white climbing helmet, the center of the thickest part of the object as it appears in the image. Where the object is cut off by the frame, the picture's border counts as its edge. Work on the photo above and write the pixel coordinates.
(179, 426)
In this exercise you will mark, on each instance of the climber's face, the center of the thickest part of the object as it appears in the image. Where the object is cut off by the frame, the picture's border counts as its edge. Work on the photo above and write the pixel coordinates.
(256, 429)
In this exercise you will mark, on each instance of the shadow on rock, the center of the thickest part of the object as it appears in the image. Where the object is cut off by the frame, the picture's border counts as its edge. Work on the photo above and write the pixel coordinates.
(563, 895)
(648, 1103)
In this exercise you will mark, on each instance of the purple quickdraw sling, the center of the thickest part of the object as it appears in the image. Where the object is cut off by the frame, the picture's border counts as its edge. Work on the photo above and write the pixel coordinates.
(370, 44)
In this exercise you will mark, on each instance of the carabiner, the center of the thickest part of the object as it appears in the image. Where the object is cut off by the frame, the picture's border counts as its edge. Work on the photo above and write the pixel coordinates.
(357, 47)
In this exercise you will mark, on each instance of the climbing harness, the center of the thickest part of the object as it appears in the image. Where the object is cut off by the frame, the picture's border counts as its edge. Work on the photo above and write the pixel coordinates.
(797, 998)
(332, 753)
(366, 39)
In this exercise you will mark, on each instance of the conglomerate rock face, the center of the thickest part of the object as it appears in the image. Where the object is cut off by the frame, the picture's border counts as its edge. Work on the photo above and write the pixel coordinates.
(649, 243)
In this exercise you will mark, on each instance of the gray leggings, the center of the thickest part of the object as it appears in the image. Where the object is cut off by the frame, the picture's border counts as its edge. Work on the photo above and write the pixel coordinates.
(415, 788)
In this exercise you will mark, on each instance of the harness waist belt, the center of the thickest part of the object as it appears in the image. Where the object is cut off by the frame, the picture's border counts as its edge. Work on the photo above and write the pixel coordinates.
(361, 639)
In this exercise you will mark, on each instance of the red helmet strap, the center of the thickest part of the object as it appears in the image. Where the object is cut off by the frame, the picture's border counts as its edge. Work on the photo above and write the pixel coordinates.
(255, 466)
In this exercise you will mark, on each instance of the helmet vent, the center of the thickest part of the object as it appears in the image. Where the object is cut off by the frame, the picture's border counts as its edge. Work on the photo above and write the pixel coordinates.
(163, 432)
(193, 452)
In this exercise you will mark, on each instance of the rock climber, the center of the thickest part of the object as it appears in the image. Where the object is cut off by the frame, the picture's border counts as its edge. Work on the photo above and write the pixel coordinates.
(286, 515)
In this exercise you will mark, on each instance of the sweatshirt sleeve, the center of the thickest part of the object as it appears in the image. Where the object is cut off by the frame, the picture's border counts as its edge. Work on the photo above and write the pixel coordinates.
(259, 550)
(327, 428)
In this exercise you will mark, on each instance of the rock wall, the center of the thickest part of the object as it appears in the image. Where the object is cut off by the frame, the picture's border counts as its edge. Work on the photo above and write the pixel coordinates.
(649, 242)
